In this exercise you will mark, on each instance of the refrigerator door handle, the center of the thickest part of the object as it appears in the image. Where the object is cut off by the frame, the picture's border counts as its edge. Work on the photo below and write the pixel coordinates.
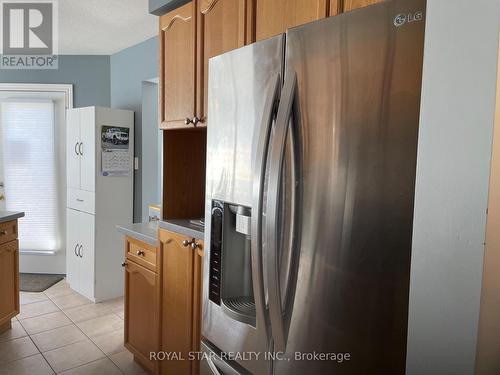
(260, 151)
(285, 117)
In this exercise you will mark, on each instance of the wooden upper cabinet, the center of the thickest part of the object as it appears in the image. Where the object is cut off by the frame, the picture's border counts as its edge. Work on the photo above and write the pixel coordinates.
(272, 17)
(355, 4)
(221, 28)
(177, 66)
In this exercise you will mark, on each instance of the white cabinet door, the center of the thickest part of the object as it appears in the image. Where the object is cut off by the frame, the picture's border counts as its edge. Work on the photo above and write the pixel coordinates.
(87, 149)
(87, 268)
(72, 247)
(72, 145)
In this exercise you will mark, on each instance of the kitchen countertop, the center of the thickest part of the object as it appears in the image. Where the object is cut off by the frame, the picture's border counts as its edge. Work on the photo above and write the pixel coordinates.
(183, 226)
(10, 215)
(146, 232)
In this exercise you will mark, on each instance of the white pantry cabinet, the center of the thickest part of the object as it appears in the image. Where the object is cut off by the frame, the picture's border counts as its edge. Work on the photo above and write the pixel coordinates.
(97, 199)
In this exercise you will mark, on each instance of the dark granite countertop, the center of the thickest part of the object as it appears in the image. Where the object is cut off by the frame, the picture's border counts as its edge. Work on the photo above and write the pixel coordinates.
(183, 226)
(146, 232)
(10, 215)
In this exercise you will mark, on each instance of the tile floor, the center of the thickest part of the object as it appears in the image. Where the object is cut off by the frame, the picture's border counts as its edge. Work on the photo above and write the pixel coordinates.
(60, 332)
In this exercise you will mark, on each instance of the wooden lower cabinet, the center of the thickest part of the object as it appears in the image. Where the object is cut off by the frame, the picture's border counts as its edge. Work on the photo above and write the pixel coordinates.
(9, 274)
(142, 307)
(181, 301)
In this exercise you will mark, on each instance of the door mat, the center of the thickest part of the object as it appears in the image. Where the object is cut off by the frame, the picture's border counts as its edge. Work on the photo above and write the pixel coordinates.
(37, 282)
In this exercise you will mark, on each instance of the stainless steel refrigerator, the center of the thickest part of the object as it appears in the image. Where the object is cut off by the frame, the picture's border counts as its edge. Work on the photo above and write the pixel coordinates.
(311, 160)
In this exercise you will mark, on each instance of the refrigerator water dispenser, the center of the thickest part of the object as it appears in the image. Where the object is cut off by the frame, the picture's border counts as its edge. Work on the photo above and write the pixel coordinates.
(230, 261)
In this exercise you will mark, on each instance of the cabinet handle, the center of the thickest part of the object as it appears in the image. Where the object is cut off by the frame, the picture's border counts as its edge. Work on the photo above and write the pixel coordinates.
(124, 264)
(79, 200)
(75, 250)
(195, 121)
(186, 243)
(3, 232)
(76, 150)
(80, 148)
(80, 251)
(195, 245)
(141, 253)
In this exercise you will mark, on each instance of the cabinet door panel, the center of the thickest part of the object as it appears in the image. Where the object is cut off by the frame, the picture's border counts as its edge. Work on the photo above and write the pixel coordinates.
(177, 66)
(221, 29)
(87, 149)
(355, 4)
(9, 276)
(72, 155)
(72, 246)
(177, 292)
(273, 17)
(141, 323)
(86, 224)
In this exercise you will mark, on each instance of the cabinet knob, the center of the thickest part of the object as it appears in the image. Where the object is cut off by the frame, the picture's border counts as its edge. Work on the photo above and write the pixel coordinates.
(140, 253)
(3, 232)
(195, 121)
(124, 264)
(195, 245)
(186, 243)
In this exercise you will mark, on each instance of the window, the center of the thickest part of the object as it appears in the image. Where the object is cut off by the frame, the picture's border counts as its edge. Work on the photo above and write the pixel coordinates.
(28, 152)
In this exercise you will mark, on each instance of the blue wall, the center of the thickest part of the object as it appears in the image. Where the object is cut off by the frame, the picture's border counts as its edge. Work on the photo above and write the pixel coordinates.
(129, 68)
(90, 76)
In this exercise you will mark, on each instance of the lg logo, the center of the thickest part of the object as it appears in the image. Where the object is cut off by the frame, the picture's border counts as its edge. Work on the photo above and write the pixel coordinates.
(28, 27)
(404, 18)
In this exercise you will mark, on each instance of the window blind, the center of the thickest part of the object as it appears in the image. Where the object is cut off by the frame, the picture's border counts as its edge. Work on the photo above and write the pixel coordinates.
(27, 140)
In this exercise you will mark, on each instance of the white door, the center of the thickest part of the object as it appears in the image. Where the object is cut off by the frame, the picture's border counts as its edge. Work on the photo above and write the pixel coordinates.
(87, 148)
(72, 249)
(72, 146)
(87, 274)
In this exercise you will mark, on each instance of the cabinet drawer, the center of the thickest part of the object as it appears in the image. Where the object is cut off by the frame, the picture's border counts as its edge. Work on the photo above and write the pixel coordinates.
(8, 231)
(81, 200)
(142, 253)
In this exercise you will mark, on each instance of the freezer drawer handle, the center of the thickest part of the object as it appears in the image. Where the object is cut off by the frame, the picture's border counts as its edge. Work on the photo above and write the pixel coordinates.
(287, 119)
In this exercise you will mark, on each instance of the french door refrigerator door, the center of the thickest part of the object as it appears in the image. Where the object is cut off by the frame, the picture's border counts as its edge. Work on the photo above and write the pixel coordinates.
(352, 88)
(244, 86)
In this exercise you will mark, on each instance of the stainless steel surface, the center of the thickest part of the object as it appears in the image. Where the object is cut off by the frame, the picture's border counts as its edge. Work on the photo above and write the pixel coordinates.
(212, 363)
(280, 212)
(240, 83)
(358, 84)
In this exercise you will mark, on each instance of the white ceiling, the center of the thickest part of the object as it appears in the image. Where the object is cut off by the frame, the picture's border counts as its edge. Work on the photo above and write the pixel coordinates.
(103, 27)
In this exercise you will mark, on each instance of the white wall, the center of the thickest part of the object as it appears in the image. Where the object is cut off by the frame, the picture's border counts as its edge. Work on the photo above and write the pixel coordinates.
(454, 154)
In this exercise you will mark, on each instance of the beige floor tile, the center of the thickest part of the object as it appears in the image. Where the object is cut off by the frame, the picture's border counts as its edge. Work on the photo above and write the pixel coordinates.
(89, 311)
(121, 314)
(28, 297)
(68, 301)
(15, 332)
(100, 367)
(34, 365)
(73, 355)
(125, 361)
(36, 309)
(101, 325)
(58, 338)
(110, 343)
(115, 304)
(16, 349)
(60, 289)
(45, 322)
